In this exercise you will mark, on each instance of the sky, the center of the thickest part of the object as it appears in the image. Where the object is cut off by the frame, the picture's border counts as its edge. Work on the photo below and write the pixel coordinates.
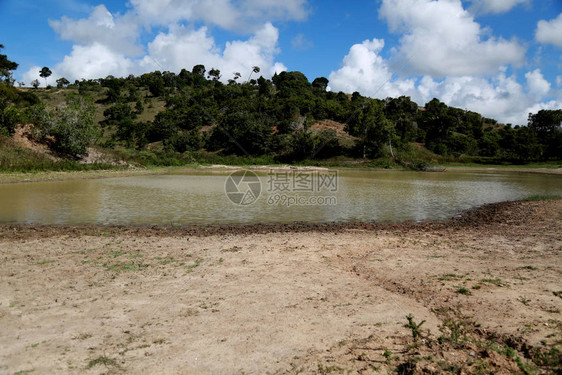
(501, 58)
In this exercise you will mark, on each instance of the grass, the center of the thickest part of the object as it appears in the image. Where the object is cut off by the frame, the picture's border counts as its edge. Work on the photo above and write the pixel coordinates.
(496, 282)
(530, 268)
(539, 197)
(449, 277)
(58, 175)
(119, 266)
(15, 158)
(102, 360)
(191, 267)
(463, 290)
(45, 262)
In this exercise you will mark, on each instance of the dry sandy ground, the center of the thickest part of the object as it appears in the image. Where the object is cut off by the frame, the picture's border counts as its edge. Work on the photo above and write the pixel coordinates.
(303, 301)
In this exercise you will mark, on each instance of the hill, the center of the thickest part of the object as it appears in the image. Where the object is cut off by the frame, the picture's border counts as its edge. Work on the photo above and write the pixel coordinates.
(163, 118)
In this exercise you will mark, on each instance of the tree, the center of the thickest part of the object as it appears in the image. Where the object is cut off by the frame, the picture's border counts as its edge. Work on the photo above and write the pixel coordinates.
(6, 66)
(45, 73)
(255, 69)
(62, 82)
(372, 129)
(9, 117)
(199, 69)
(215, 74)
(241, 132)
(156, 86)
(321, 83)
(35, 83)
(547, 125)
(72, 127)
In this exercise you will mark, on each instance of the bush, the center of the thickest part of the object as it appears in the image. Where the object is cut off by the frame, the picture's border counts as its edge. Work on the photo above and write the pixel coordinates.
(72, 127)
(9, 117)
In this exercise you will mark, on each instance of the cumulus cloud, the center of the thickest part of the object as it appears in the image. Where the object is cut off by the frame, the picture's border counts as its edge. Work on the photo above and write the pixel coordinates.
(495, 6)
(108, 44)
(364, 70)
(181, 48)
(538, 86)
(93, 61)
(117, 33)
(550, 31)
(440, 38)
(499, 96)
(237, 15)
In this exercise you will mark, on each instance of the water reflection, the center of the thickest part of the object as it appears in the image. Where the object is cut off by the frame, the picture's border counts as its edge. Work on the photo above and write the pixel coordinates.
(200, 198)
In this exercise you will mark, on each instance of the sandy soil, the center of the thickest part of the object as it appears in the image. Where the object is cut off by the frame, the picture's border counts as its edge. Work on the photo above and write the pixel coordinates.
(287, 299)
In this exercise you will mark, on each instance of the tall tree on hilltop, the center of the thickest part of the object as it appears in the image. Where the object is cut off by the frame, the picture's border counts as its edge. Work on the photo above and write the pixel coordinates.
(45, 72)
(255, 69)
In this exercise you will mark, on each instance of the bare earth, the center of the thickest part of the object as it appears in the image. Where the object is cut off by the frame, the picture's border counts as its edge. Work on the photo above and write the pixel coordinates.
(287, 299)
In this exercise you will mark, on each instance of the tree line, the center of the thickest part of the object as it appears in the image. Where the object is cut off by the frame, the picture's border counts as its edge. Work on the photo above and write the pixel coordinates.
(275, 117)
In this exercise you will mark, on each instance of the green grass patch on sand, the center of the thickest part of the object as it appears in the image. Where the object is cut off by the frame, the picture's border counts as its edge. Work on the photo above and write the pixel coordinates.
(540, 197)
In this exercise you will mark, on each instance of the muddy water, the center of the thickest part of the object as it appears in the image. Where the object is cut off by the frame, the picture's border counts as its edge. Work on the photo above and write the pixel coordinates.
(200, 198)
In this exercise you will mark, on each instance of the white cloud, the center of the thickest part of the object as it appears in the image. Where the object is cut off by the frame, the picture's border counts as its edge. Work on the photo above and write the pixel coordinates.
(500, 96)
(164, 12)
(93, 61)
(108, 44)
(538, 86)
(117, 33)
(276, 10)
(238, 15)
(550, 31)
(364, 70)
(440, 38)
(495, 6)
(184, 48)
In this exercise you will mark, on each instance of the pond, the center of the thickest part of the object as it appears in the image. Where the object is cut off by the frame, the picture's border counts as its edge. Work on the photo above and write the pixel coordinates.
(212, 197)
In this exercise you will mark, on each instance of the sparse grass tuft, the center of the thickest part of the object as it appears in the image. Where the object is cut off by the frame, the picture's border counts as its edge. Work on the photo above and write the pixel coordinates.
(102, 360)
(45, 262)
(497, 282)
(530, 268)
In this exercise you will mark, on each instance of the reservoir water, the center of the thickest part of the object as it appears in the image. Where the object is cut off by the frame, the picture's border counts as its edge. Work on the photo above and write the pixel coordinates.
(275, 197)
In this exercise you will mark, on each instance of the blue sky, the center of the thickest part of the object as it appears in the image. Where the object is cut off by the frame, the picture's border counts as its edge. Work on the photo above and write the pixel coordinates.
(502, 58)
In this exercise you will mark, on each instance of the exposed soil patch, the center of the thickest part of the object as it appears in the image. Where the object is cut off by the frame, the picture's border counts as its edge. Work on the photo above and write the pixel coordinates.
(297, 298)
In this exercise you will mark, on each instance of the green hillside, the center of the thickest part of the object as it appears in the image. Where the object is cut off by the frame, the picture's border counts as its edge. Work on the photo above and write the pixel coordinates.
(162, 118)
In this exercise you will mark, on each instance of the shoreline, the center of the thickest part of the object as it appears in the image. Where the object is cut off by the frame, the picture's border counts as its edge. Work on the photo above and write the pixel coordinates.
(489, 214)
(53, 176)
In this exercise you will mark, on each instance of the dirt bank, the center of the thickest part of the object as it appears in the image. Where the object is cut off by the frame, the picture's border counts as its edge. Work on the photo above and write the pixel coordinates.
(297, 298)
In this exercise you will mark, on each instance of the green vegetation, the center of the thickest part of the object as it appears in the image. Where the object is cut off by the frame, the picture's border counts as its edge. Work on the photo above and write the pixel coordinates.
(542, 198)
(463, 290)
(497, 282)
(168, 119)
(413, 326)
(102, 360)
